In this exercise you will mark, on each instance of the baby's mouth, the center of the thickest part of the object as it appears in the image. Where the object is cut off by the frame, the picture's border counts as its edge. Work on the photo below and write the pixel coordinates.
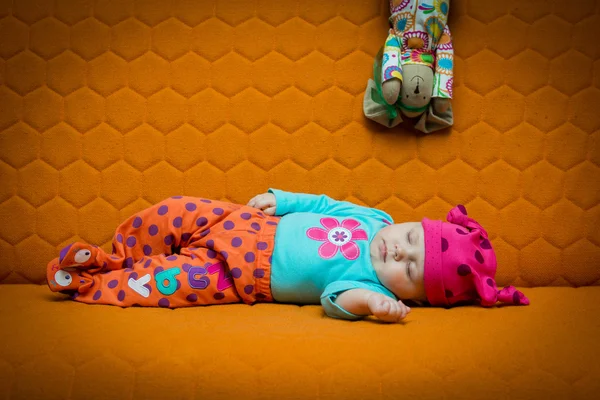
(383, 250)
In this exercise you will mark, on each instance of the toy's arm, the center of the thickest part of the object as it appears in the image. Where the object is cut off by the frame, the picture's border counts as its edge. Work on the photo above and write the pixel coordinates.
(363, 302)
(444, 66)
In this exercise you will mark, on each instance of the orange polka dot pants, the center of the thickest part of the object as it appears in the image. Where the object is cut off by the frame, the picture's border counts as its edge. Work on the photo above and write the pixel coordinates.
(181, 252)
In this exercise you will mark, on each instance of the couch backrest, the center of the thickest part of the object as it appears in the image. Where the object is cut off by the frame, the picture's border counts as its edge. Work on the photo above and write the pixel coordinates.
(107, 107)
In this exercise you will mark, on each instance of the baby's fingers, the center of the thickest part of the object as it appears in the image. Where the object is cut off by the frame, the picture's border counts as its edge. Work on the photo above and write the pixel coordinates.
(269, 211)
(260, 201)
(252, 201)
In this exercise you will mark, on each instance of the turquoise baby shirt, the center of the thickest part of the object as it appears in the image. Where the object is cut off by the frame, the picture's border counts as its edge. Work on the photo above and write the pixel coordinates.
(322, 249)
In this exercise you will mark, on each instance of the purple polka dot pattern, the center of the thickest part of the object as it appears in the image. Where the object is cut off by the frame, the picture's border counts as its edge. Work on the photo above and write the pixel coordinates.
(462, 209)
(485, 244)
(163, 303)
(192, 298)
(229, 225)
(463, 270)
(479, 257)
(516, 298)
(131, 241)
(177, 197)
(236, 273)
(444, 244)
(490, 282)
(461, 232)
(147, 232)
(205, 201)
(259, 273)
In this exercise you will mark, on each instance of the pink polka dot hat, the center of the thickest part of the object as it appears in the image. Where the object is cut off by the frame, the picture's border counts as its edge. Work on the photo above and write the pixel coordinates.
(460, 263)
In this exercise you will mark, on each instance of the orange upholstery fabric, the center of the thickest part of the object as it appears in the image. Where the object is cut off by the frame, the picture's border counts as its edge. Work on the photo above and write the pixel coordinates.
(66, 350)
(109, 106)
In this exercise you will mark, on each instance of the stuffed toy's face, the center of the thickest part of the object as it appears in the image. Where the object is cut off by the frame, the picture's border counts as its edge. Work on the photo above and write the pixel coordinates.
(416, 90)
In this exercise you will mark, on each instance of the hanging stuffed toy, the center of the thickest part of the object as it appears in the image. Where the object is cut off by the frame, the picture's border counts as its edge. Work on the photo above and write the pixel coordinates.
(413, 71)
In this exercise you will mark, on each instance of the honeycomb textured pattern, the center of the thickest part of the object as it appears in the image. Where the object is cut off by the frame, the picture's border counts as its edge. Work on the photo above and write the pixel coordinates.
(109, 106)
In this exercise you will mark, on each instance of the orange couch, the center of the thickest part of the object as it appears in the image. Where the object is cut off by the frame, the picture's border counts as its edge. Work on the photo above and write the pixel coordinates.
(109, 106)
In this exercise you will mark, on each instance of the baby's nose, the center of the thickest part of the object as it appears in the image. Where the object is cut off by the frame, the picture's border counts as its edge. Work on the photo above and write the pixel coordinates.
(399, 253)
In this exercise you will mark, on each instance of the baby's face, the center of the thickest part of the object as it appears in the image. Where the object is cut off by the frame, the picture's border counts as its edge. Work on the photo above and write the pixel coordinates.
(398, 257)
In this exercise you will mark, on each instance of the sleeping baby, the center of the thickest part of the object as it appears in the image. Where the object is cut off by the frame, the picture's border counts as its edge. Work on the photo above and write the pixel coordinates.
(289, 248)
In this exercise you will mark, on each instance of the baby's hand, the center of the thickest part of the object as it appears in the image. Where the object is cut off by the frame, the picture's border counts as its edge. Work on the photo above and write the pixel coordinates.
(386, 309)
(266, 202)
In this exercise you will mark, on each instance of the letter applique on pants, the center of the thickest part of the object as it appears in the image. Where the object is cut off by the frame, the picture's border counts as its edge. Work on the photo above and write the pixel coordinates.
(181, 252)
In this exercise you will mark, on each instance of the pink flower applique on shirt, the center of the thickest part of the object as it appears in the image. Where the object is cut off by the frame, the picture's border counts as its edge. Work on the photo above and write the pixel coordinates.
(338, 237)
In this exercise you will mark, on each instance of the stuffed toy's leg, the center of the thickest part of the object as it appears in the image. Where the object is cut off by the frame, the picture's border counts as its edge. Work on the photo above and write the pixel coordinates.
(181, 252)
(439, 114)
(444, 66)
(391, 69)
